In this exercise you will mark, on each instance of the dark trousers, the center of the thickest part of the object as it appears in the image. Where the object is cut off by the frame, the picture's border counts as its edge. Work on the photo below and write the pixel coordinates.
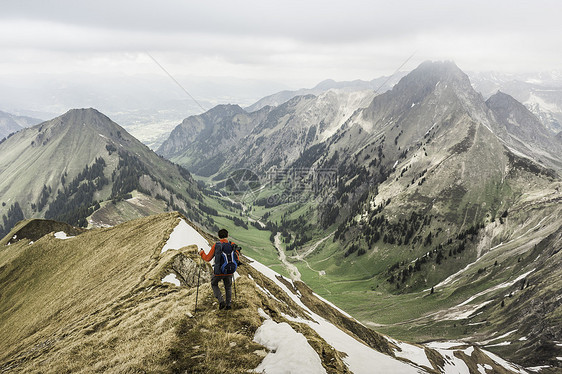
(227, 280)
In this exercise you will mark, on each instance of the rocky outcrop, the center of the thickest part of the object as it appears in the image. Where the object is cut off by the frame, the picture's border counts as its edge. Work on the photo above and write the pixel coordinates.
(190, 269)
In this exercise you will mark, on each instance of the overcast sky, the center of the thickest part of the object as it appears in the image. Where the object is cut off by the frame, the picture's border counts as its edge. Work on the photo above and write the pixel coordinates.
(294, 43)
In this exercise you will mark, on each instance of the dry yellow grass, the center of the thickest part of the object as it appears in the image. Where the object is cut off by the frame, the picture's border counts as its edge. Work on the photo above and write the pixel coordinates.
(71, 302)
(96, 303)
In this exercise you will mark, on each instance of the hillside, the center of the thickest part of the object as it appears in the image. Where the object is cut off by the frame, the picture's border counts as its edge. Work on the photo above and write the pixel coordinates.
(122, 299)
(425, 183)
(378, 85)
(70, 166)
(227, 138)
(523, 131)
(10, 123)
(541, 93)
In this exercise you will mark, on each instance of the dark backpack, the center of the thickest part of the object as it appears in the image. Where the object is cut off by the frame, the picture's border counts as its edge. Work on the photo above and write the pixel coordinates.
(226, 258)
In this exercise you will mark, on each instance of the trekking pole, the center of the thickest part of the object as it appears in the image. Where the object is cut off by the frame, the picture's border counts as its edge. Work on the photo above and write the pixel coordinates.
(197, 292)
(234, 284)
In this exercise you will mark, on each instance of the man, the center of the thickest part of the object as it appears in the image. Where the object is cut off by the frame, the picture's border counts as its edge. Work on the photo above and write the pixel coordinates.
(216, 252)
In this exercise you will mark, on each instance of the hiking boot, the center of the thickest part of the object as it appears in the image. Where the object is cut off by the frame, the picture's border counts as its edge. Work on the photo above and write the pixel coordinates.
(228, 307)
(222, 305)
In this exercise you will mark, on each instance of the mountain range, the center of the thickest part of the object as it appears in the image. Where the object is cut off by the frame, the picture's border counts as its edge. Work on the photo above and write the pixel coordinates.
(428, 211)
(432, 181)
(378, 85)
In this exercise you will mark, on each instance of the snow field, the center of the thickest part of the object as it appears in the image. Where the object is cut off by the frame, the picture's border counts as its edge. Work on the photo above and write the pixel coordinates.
(498, 287)
(500, 361)
(289, 350)
(184, 235)
(482, 368)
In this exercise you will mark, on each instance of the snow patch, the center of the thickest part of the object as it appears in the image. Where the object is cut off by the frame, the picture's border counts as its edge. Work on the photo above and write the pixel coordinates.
(498, 287)
(444, 345)
(500, 361)
(171, 278)
(290, 351)
(453, 364)
(360, 358)
(263, 314)
(273, 276)
(499, 344)
(62, 235)
(184, 235)
(482, 368)
(465, 312)
(538, 368)
(411, 352)
(267, 293)
(506, 334)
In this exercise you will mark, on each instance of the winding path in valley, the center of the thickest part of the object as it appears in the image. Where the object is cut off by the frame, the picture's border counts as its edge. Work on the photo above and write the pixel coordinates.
(292, 269)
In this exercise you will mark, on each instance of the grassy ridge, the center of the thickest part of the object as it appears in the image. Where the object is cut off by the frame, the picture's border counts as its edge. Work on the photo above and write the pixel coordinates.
(48, 280)
(96, 303)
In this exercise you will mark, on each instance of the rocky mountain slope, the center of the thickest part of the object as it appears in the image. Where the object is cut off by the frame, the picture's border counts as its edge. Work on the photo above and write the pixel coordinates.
(136, 297)
(541, 93)
(10, 123)
(227, 137)
(523, 131)
(378, 85)
(70, 166)
(429, 178)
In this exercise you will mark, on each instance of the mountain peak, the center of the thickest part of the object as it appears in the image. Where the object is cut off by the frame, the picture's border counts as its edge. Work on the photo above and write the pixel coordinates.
(507, 106)
(501, 96)
(326, 84)
(433, 72)
(83, 113)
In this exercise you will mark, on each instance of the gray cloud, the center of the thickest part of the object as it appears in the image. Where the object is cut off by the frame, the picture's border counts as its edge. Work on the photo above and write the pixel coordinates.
(285, 40)
(318, 21)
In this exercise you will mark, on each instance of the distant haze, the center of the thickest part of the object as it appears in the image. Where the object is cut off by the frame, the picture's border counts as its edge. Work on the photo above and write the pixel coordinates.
(259, 47)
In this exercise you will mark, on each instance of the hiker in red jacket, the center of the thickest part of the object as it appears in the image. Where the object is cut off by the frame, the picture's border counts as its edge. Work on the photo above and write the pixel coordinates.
(226, 256)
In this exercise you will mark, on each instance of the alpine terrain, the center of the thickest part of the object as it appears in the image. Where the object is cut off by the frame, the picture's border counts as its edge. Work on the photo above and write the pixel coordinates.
(541, 93)
(81, 162)
(10, 123)
(136, 298)
(427, 211)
